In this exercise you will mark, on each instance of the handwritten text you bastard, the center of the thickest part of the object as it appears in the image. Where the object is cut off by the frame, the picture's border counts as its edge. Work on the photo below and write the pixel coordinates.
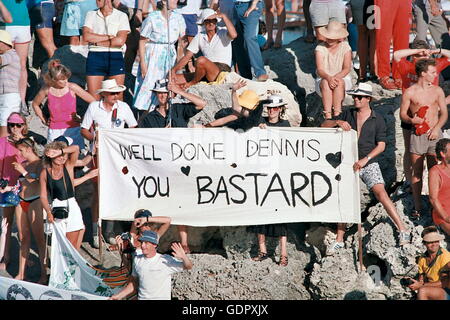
(309, 188)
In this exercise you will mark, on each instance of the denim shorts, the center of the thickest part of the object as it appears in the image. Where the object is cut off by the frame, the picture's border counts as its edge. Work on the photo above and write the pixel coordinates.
(191, 24)
(105, 63)
(41, 16)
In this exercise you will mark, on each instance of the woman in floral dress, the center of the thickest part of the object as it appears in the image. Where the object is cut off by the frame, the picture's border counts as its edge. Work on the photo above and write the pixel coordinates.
(156, 59)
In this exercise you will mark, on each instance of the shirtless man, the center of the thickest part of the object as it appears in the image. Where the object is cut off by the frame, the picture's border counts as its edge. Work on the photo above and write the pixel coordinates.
(426, 102)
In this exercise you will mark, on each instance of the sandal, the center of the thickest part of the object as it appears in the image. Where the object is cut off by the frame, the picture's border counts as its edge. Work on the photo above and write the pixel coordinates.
(261, 256)
(325, 115)
(337, 113)
(283, 261)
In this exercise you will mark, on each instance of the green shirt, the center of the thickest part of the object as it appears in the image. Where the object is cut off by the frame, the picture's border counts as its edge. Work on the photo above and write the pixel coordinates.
(19, 12)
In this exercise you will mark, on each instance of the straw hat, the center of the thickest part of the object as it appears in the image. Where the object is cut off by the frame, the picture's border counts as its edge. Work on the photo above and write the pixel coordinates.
(206, 13)
(111, 85)
(433, 236)
(362, 89)
(248, 99)
(5, 37)
(334, 30)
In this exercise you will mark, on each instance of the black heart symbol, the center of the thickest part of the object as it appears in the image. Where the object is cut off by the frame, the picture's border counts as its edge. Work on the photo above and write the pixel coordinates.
(186, 170)
(334, 159)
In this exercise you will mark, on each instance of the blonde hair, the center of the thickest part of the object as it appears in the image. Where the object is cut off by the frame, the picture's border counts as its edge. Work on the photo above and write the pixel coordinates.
(55, 145)
(24, 128)
(55, 71)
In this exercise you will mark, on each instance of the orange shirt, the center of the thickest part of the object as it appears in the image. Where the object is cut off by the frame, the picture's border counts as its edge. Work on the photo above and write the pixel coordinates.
(444, 194)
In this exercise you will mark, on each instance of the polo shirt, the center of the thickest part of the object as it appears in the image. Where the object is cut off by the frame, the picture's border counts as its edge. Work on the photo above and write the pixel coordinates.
(181, 113)
(110, 25)
(19, 13)
(372, 131)
(432, 273)
(9, 72)
(407, 70)
(96, 113)
(218, 50)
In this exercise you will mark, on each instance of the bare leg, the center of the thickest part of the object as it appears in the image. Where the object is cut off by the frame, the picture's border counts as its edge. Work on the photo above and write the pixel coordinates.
(5, 237)
(22, 51)
(204, 67)
(36, 221)
(416, 179)
(262, 243)
(73, 238)
(182, 230)
(340, 232)
(445, 227)
(281, 21)
(363, 43)
(431, 161)
(382, 196)
(24, 239)
(338, 97)
(269, 23)
(46, 38)
(283, 245)
(327, 98)
(407, 168)
(80, 238)
(93, 84)
(372, 56)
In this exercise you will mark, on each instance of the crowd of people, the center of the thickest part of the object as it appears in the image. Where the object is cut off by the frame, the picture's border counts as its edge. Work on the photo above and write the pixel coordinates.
(176, 48)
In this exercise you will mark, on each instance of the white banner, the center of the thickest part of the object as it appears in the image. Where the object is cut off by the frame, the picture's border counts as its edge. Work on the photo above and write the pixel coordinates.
(221, 177)
(11, 289)
(70, 271)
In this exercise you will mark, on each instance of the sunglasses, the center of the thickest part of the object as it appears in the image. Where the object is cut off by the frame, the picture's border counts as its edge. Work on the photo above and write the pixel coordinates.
(206, 21)
(273, 108)
(359, 97)
(12, 125)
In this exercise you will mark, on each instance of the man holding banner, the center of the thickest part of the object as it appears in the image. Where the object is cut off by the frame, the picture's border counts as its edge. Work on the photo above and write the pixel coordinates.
(371, 130)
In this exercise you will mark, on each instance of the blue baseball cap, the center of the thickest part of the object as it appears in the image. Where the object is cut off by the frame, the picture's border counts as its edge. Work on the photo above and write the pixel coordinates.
(142, 213)
(66, 140)
(149, 236)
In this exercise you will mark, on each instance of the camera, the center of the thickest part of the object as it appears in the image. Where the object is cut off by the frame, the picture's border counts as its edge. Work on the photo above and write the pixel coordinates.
(127, 247)
(406, 282)
(3, 183)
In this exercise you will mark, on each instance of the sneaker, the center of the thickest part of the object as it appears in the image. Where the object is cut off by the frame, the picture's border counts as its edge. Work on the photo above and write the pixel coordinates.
(95, 242)
(333, 247)
(404, 238)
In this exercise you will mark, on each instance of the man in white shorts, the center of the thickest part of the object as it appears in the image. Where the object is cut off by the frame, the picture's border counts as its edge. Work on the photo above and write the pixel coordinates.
(9, 80)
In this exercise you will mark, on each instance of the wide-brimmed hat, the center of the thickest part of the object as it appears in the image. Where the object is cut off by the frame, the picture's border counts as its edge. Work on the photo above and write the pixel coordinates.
(248, 99)
(149, 236)
(274, 101)
(5, 37)
(362, 89)
(15, 118)
(433, 236)
(206, 13)
(161, 86)
(111, 85)
(334, 30)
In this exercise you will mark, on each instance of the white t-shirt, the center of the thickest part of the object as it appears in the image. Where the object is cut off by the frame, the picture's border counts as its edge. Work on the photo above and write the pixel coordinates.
(111, 25)
(155, 275)
(96, 113)
(218, 50)
(192, 7)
